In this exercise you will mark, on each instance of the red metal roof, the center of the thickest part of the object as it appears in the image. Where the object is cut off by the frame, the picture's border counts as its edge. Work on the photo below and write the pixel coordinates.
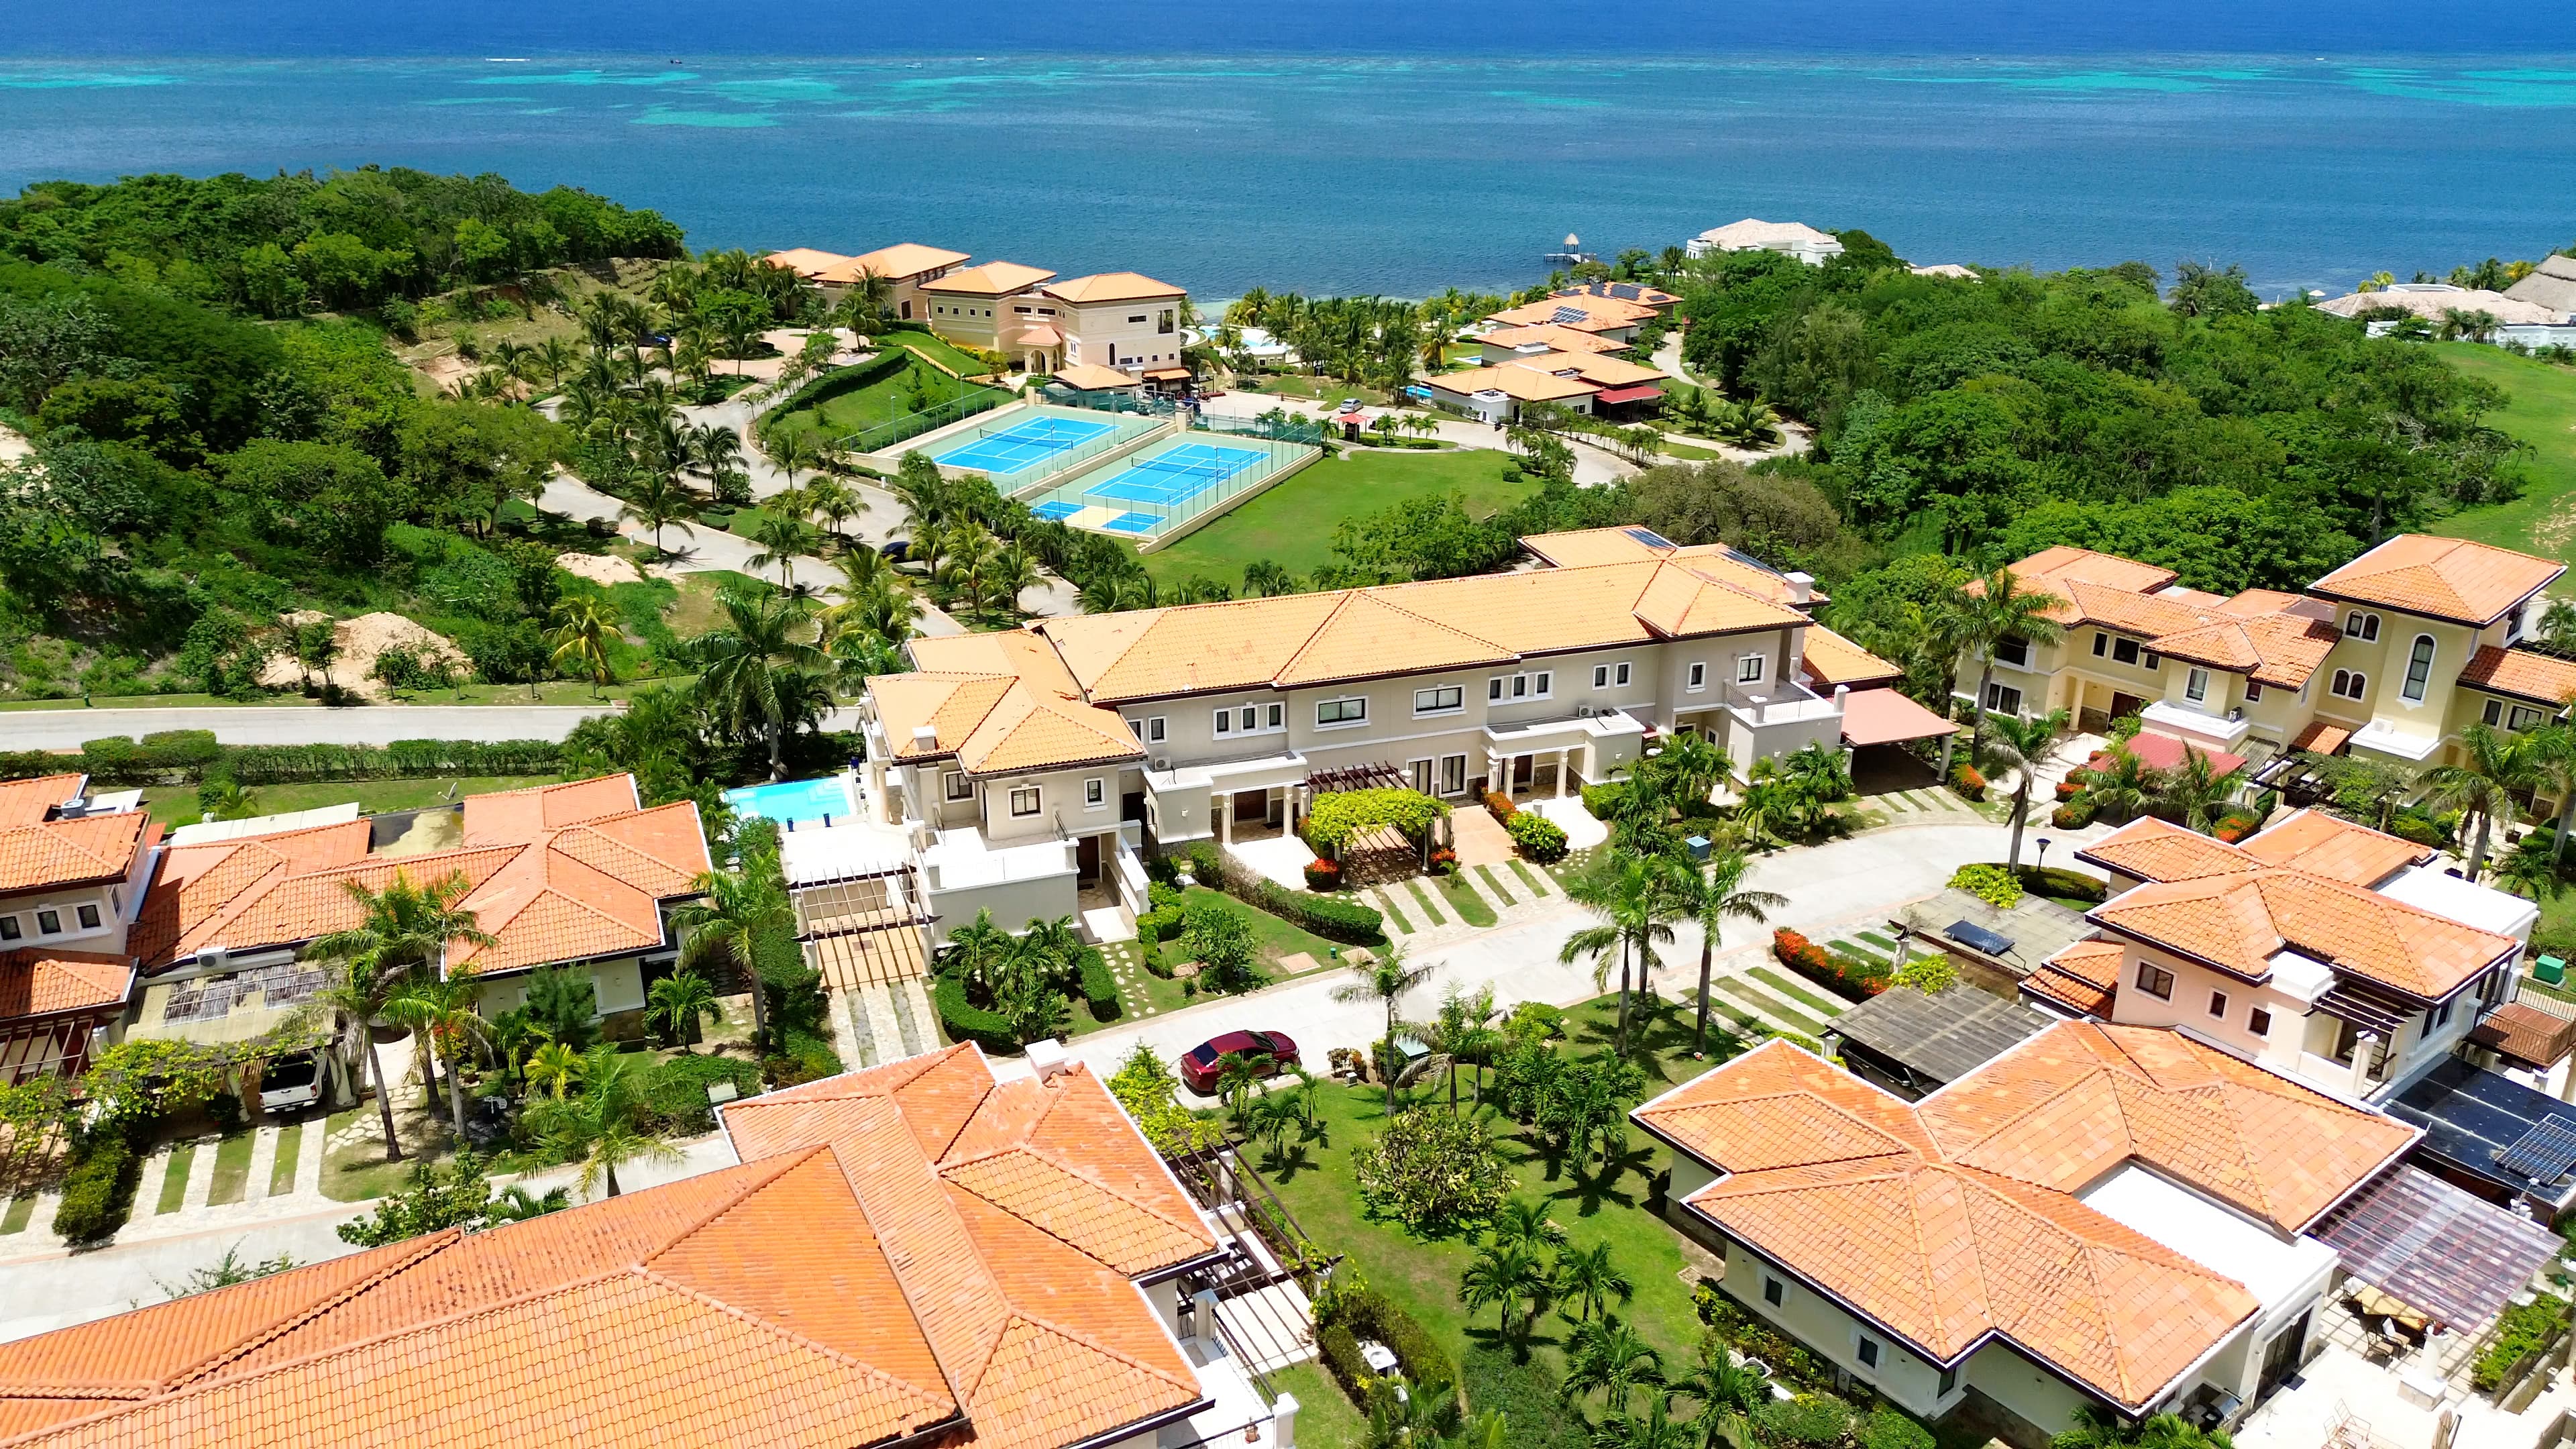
(1639, 393)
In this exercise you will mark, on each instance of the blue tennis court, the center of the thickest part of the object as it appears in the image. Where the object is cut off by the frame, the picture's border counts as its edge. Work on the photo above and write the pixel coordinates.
(1175, 475)
(1023, 445)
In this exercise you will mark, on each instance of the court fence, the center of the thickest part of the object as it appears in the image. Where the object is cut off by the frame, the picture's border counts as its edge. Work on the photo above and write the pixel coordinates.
(1052, 469)
(930, 419)
(1109, 400)
(1151, 521)
(1279, 426)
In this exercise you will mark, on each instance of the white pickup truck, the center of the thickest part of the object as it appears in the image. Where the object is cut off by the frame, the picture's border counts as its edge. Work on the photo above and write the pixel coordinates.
(290, 1081)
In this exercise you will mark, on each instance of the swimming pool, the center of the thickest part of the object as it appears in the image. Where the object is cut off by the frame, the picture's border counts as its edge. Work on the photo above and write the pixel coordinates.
(1022, 445)
(795, 802)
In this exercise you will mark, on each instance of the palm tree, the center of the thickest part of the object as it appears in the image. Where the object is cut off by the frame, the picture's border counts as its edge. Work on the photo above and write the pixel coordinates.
(2193, 793)
(2122, 787)
(2527, 871)
(1011, 572)
(1586, 1278)
(733, 912)
(357, 995)
(1236, 1076)
(1694, 764)
(1718, 895)
(229, 800)
(783, 538)
(1637, 899)
(790, 452)
(1727, 1393)
(2492, 767)
(836, 501)
(401, 929)
(1502, 1277)
(1526, 1224)
(1387, 980)
(601, 1127)
(2552, 748)
(1985, 612)
(1607, 1356)
(714, 449)
(556, 1067)
(679, 1001)
(656, 501)
(2025, 746)
(441, 1016)
(557, 357)
(583, 627)
(761, 677)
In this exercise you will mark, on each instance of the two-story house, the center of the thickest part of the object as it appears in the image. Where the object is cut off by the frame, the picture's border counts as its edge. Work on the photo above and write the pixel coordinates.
(72, 872)
(2389, 656)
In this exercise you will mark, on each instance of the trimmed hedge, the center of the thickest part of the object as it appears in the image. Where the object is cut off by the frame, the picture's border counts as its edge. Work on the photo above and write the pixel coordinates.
(1331, 917)
(1099, 987)
(177, 757)
(1500, 806)
(98, 1193)
(1602, 800)
(965, 1021)
(1846, 976)
(1539, 838)
(1366, 1313)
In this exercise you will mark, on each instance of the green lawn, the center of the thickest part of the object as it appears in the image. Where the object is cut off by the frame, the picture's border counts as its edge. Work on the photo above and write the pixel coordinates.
(1292, 524)
(937, 348)
(1422, 1276)
(2541, 412)
(174, 1182)
(1689, 451)
(177, 804)
(1321, 389)
(1463, 901)
(886, 399)
(290, 1145)
(232, 1168)
(15, 1219)
(1272, 937)
(1422, 898)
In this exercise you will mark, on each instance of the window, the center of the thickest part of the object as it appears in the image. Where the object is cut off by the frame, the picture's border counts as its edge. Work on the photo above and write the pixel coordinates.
(2101, 643)
(1453, 775)
(2218, 1004)
(1418, 775)
(2124, 651)
(1024, 800)
(2349, 684)
(2253, 692)
(2438, 1018)
(959, 787)
(1543, 684)
(89, 922)
(1164, 321)
(2494, 714)
(1600, 676)
(1095, 793)
(1341, 712)
(1867, 1352)
(2195, 685)
(2153, 661)
(2002, 699)
(1774, 1292)
(2525, 717)
(1749, 668)
(1139, 317)
(2513, 626)
(1154, 729)
(1444, 700)
(2014, 650)
(10, 930)
(2155, 981)
(1698, 678)
(1225, 721)
(1244, 719)
(2361, 626)
(1493, 689)
(2419, 670)
(1520, 686)
(1275, 717)
(1622, 675)
(2259, 1021)
(49, 923)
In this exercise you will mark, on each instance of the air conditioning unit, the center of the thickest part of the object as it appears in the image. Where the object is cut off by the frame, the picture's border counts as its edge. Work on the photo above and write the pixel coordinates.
(1583, 711)
(1163, 762)
(213, 958)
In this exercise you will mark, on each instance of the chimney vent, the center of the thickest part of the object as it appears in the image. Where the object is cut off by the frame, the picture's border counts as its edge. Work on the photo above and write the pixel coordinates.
(1802, 586)
(925, 737)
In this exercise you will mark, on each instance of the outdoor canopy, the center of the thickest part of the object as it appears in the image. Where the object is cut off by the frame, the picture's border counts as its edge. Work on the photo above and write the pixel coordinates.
(1885, 717)
(2455, 1256)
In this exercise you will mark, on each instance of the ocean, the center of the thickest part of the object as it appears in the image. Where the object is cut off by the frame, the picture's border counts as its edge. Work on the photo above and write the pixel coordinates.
(1333, 146)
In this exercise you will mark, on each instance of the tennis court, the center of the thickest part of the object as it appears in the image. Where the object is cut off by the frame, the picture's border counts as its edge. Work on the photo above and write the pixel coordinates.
(1167, 485)
(1022, 445)
(1175, 475)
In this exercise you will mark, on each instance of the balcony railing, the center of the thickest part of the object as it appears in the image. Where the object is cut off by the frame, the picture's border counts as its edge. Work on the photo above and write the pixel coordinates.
(1778, 702)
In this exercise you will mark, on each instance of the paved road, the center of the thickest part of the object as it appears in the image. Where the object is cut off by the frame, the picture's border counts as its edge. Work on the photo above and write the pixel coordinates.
(1863, 879)
(375, 724)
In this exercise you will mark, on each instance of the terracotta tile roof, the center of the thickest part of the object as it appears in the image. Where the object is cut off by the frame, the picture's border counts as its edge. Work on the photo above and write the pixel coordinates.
(39, 982)
(2240, 922)
(2441, 578)
(2083, 977)
(1591, 367)
(898, 262)
(1005, 705)
(1583, 547)
(2064, 564)
(1596, 314)
(38, 854)
(806, 262)
(2153, 850)
(29, 801)
(992, 279)
(2323, 736)
(2321, 844)
(2522, 674)
(2255, 603)
(1831, 659)
(1954, 1219)
(1548, 334)
(1112, 287)
(2273, 637)
(550, 874)
(1636, 292)
(1516, 380)
(1367, 634)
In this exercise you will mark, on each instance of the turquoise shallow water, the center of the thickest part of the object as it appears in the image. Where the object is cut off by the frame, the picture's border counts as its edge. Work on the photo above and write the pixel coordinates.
(1404, 174)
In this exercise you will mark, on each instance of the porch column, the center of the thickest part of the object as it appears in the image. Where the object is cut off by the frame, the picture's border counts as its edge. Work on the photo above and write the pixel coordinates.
(1223, 805)
(2361, 1063)
(1564, 757)
(1497, 779)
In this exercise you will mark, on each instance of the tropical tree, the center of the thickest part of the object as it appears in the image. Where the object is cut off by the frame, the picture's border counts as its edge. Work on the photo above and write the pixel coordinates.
(790, 452)
(1386, 980)
(1266, 579)
(2194, 793)
(226, 799)
(1695, 766)
(401, 929)
(2552, 748)
(734, 911)
(554, 1067)
(2024, 746)
(656, 501)
(2120, 787)
(1463, 1031)
(2493, 765)
(837, 502)
(1984, 612)
(1727, 1393)
(760, 674)
(784, 537)
(1503, 1278)
(441, 1017)
(1587, 1279)
(1236, 1077)
(679, 1002)
(602, 1128)
(583, 627)
(1607, 1357)
(1526, 1224)
(1636, 898)
(1718, 895)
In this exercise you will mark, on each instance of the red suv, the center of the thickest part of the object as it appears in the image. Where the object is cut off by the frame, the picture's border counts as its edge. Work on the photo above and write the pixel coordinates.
(1270, 1051)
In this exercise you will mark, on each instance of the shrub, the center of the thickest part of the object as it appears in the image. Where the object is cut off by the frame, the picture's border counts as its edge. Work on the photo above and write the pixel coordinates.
(965, 1021)
(2524, 1329)
(2068, 789)
(1847, 976)
(1797, 952)
(99, 1190)
(1602, 801)
(1323, 875)
(1444, 861)
(1500, 806)
(1335, 918)
(675, 1092)
(1159, 925)
(1099, 986)
(1341, 1352)
(1159, 895)
(1336, 817)
(1888, 1427)
(1432, 1172)
(2073, 815)
(1965, 779)
(2050, 880)
(1790, 1361)
(1539, 838)
(1361, 1312)
(1989, 883)
(1806, 1419)
(1928, 972)
(1143, 1085)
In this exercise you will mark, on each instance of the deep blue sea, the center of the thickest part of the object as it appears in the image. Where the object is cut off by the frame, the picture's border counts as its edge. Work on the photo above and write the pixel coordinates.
(1364, 146)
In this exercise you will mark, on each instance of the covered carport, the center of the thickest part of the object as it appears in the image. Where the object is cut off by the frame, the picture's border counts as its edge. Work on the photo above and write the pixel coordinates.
(1877, 725)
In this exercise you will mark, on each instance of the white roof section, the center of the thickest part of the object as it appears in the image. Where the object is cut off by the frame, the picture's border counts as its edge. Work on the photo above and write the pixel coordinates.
(847, 849)
(2429, 888)
(2274, 1270)
(206, 830)
(2301, 975)
(1753, 232)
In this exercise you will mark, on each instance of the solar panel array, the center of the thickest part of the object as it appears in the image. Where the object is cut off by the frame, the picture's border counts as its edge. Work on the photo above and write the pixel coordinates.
(1566, 316)
(2543, 1154)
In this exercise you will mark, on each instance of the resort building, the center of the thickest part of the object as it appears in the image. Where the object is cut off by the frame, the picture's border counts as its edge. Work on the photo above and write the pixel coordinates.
(1661, 301)
(1585, 381)
(72, 872)
(1789, 238)
(1512, 344)
(906, 265)
(1613, 318)
(918, 1254)
(973, 306)
(2434, 302)
(2389, 656)
(575, 875)
(2551, 285)
(1051, 754)
(2122, 1218)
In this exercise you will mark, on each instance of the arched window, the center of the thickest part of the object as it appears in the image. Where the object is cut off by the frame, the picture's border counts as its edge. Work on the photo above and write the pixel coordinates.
(2349, 684)
(2419, 669)
(2358, 625)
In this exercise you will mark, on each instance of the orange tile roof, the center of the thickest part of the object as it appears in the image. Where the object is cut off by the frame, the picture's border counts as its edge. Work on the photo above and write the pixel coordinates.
(906, 1250)
(1591, 367)
(1001, 703)
(1367, 635)
(1954, 1220)
(2441, 578)
(2321, 844)
(899, 262)
(2238, 923)
(2065, 564)
(1582, 547)
(2522, 674)
(2152, 849)
(35, 981)
(1515, 380)
(1112, 287)
(2084, 977)
(556, 872)
(2262, 633)
(29, 801)
(1831, 659)
(1600, 314)
(992, 279)
(806, 262)
(2323, 736)
(1548, 334)
(40, 854)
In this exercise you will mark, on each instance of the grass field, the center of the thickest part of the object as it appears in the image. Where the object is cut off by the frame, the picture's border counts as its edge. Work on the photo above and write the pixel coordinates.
(2542, 412)
(177, 804)
(1292, 524)
(939, 349)
(884, 400)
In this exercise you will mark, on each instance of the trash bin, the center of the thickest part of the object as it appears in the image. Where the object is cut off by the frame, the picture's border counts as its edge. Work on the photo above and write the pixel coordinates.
(2550, 969)
(1698, 845)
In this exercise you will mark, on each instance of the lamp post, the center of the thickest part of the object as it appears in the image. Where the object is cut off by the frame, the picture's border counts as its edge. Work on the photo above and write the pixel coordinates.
(2043, 855)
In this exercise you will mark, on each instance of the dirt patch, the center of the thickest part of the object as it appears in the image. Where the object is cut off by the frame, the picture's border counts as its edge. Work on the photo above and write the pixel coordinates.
(14, 445)
(599, 568)
(356, 645)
